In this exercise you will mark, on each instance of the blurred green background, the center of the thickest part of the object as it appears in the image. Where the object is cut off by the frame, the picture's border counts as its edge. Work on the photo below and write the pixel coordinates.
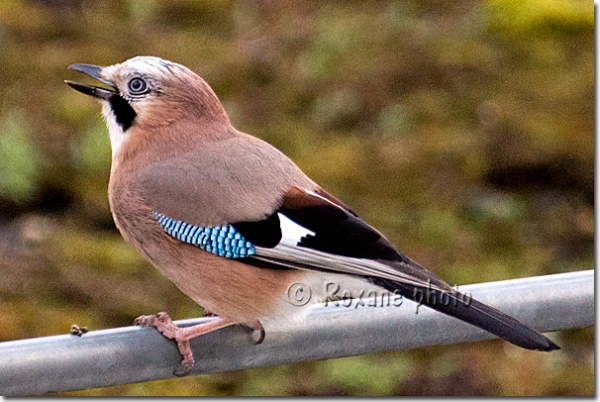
(463, 130)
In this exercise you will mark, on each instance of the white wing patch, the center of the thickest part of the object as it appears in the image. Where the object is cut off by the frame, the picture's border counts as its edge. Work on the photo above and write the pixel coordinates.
(287, 253)
(291, 232)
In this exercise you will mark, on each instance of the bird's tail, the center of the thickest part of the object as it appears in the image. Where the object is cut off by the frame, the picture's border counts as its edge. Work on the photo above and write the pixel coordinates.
(467, 309)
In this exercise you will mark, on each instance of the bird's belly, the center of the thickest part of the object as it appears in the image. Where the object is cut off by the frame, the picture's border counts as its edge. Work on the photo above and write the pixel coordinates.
(312, 288)
(245, 293)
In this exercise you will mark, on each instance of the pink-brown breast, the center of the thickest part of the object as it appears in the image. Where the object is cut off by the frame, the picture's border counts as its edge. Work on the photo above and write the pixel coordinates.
(226, 287)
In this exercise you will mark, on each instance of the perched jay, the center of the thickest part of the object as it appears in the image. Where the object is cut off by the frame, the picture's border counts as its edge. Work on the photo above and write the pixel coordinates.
(233, 222)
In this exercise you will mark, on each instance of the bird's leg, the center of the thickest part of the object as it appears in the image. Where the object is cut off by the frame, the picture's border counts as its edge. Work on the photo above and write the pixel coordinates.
(163, 323)
(255, 326)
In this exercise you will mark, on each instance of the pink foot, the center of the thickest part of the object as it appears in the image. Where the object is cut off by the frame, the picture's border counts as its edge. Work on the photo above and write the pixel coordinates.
(163, 323)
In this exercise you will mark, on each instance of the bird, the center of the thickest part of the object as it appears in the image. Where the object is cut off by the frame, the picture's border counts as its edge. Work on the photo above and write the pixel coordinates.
(233, 222)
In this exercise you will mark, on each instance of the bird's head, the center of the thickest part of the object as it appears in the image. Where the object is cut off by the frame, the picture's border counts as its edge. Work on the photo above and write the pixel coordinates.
(149, 93)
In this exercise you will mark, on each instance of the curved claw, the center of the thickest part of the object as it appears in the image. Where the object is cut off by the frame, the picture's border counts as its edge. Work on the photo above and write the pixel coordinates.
(257, 326)
(182, 370)
(209, 314)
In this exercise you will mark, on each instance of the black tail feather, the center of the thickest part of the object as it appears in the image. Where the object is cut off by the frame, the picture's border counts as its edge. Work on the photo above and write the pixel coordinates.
(472, 311)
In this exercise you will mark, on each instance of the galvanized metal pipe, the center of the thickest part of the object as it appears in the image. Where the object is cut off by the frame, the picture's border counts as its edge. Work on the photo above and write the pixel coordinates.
(134, 354)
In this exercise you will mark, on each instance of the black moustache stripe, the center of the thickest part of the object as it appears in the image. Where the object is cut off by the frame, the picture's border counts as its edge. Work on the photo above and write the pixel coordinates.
(123, 111)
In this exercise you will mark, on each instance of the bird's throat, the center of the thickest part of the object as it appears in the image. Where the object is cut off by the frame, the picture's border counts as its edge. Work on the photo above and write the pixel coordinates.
(116, 128)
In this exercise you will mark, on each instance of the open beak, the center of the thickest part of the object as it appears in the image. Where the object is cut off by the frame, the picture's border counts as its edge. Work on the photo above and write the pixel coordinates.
(94, 72)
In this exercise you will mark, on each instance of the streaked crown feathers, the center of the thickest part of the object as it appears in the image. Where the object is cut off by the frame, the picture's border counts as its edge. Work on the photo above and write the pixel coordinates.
(161, 87)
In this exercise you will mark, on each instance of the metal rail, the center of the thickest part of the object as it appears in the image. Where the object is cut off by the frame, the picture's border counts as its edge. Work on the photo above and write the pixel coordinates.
(135, 354)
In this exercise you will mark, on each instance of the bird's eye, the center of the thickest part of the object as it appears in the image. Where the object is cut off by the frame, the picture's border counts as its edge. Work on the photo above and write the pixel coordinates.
(137, 86)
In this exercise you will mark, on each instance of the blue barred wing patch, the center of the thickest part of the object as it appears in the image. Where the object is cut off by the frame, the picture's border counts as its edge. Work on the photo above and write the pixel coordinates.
(224, 240)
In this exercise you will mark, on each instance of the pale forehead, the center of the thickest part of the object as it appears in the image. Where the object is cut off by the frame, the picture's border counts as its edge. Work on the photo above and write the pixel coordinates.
(145, 65)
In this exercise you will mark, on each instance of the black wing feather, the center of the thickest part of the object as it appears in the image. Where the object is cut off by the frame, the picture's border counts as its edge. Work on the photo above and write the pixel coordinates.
(265, 233)
(472, 311)
(339, 231)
